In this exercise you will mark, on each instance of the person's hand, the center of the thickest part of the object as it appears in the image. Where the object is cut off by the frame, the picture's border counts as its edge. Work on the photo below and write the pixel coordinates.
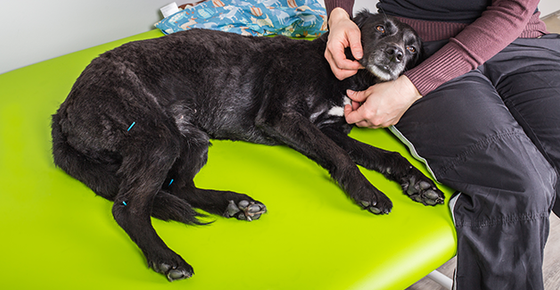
(381, 105)
(343, 33)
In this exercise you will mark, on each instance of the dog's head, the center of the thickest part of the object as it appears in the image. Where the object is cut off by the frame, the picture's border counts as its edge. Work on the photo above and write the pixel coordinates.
(390, 46)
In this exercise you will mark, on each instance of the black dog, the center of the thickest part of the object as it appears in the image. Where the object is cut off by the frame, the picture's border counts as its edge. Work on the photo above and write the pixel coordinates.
(136, 125)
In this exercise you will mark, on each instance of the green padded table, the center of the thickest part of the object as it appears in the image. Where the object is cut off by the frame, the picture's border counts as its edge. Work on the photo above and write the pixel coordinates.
(56, 234)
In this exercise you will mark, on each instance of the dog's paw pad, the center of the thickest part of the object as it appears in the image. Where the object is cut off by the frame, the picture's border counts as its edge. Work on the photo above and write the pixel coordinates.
(245, 210)
(432, 197)
(374, 208)
(422, 191)
(177, 275)
(173, 272)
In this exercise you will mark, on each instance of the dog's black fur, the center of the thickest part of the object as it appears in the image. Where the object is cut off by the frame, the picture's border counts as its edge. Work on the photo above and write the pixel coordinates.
(142, 115)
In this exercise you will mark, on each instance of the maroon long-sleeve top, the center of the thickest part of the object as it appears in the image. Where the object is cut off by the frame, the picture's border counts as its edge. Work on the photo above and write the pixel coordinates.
(471, 41)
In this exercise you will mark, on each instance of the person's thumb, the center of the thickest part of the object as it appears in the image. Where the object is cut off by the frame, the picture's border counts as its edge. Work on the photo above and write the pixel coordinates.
(356, 45)
(359, 97)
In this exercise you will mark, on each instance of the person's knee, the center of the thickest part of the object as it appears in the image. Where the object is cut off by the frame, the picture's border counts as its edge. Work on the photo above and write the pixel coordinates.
(540, 187)
(505, 172)
(533, 187)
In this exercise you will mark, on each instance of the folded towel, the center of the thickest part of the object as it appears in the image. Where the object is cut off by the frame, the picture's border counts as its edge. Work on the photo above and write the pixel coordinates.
(295, 18)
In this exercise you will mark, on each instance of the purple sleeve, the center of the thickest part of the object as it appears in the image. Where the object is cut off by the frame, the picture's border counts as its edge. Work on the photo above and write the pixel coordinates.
(497, 27)
(347, 5)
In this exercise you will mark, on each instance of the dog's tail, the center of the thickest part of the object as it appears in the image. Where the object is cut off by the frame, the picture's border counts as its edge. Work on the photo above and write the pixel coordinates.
(99, 176)
(167, 206)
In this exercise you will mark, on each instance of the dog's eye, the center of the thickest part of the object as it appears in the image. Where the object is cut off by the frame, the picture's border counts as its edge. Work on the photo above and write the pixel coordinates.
(380, 28)
(411, 49)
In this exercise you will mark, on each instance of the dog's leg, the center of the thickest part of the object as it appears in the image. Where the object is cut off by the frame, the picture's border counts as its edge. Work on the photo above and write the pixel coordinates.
(147, 159)
(226, 203)
(299, 133)
(101, 177)
(193, 156)
(177, 206)
(392, 165)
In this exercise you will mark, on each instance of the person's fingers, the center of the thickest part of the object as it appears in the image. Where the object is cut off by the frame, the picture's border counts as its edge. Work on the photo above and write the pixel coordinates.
(341, 69)
(355, 40)
(365, 124)
(353, 117)
(344, 33)
(348, 109)
(358, 97)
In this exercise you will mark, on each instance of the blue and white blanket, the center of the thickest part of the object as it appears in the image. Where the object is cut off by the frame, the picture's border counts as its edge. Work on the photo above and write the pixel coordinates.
(295, 18)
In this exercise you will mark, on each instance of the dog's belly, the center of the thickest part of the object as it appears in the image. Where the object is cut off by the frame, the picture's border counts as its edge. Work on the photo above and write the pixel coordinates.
(231, 120)
(236, 119)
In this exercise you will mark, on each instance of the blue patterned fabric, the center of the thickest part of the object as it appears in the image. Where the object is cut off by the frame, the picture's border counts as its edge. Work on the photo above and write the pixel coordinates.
(295, 18)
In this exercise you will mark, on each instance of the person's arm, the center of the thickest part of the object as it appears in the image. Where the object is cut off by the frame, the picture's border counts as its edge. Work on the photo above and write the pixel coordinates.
(497, 27)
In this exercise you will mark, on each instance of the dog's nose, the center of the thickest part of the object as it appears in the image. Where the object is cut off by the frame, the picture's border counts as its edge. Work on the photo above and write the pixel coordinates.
(394, 53)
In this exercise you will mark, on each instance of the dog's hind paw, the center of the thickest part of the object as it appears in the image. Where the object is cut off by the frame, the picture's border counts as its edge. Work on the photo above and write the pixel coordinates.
(245, 210)
(173, 272)
(422, 191)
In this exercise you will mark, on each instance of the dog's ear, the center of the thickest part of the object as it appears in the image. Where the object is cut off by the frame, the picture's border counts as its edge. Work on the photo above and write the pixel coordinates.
(361, 18)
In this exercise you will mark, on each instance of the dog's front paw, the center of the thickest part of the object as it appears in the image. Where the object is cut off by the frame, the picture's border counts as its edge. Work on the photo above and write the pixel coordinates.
(245, 210)
(173, 270)
(371, 199)
(422, 189)
(381, 205)
(368, 197)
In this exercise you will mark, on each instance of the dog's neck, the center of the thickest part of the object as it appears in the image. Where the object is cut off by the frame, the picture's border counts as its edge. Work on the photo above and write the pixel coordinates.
(361, 81)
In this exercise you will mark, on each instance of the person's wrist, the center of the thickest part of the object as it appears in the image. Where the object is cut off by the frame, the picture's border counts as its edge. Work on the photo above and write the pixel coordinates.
(411, 89)
(338, 14)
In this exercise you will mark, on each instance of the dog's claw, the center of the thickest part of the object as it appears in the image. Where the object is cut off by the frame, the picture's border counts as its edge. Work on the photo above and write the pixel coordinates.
(245, 210)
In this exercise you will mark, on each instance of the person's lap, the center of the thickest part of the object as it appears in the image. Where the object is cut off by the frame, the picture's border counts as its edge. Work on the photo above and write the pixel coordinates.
(527, 76)
(489, 144)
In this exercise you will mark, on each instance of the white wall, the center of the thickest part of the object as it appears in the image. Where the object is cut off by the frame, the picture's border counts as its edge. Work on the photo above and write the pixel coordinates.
(545, 6)
(36, 30)
(549, 6)
(361, 4)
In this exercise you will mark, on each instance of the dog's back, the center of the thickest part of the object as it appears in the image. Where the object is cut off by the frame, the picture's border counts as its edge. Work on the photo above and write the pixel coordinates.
(214, 81)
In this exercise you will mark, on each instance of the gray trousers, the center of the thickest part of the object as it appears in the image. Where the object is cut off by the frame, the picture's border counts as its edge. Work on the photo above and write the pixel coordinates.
(494, 135)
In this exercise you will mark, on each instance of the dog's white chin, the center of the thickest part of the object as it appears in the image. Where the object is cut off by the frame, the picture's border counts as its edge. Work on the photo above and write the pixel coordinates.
(381, 74)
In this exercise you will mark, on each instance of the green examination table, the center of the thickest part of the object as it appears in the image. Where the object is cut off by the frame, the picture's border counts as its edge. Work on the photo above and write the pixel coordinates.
(57, 234)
